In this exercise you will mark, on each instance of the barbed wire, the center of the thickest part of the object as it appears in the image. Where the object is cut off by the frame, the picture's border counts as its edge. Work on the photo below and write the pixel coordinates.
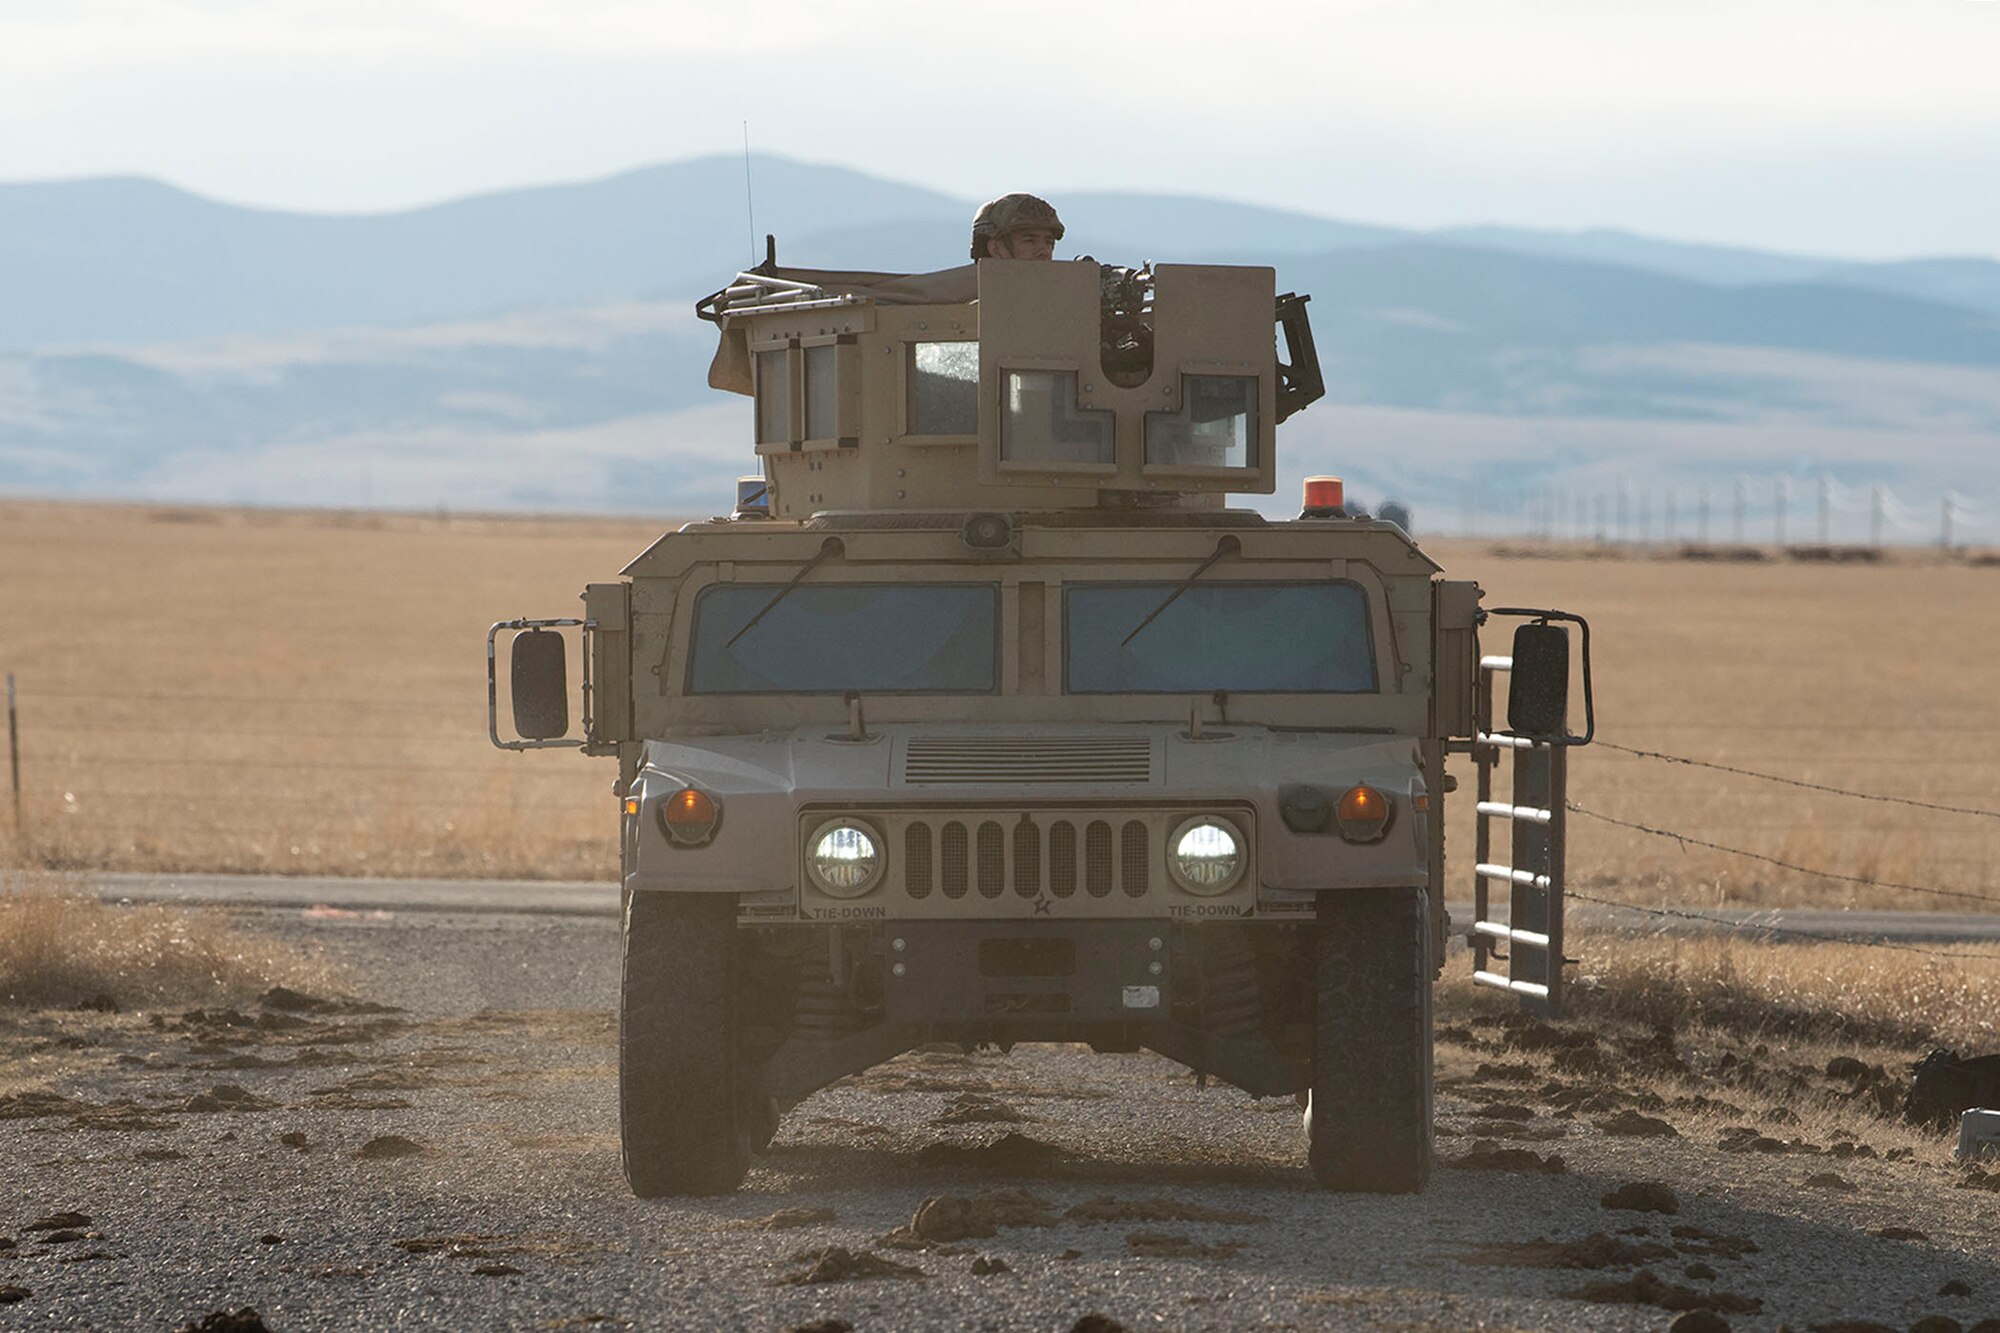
(1796, 782)
(1763, 928)
(1687, 840)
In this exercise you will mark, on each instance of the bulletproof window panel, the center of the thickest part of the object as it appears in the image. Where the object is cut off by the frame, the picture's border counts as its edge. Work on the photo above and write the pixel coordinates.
(1040, 421)
(1246, 638)
(944, 388)
(822, 393)
(1216, 426)
(918, 638)
(774, 397)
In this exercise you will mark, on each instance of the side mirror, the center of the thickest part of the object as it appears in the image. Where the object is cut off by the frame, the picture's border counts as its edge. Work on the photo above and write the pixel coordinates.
(1538, 685)
(540, 677)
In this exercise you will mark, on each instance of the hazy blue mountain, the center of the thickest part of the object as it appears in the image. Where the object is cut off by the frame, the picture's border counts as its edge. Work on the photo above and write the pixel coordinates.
(129, 260)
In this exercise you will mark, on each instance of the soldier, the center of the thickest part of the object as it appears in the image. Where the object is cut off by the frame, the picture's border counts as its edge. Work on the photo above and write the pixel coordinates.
(1016, 226)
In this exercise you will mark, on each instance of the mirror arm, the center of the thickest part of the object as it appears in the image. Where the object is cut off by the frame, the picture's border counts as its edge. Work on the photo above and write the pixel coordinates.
(1543, 616)
(493, 682)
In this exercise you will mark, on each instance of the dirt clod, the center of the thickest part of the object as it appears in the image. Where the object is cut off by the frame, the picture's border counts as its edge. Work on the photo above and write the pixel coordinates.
(1898, 1233)
(65, 1237)
(294, 1139)
(270, 1238)
(1937, 1323)
(822, 1326)
(1955, 1288)
(944, 1218)
(1010, 1152)
(837, 1263)
(1699, 1321)
(1699, 1271)
(11, 1294)
(1097, 1323)
(975, 1108)
(58, 1222)
(985, 1267)
(1487, 1155)
(1632, 1125)
(226, 1097)
(384, 1147)
(1643, 1288)
(1831, 1180)
(37, 1102)
(159, 1155)
(1853, 1326)
(244, 1320)
(496, 1270)
(1643, 1196)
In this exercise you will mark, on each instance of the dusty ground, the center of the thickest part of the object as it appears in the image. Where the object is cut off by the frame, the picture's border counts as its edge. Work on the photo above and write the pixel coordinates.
(443, 1154)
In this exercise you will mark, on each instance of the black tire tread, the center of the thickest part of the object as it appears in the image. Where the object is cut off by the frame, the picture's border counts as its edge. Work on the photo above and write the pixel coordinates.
(682, 1126)
(1372, 1097)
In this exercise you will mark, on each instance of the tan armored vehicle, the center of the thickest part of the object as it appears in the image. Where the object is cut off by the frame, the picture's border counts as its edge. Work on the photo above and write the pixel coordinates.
(983, 720)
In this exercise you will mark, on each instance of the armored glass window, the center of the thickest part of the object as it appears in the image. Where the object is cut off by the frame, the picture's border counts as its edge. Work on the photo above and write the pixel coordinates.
(944, 388)
(774, 397)
(1216, 426)
(917, 638)
(1247, 638)
(1040, 421)
(822, 393)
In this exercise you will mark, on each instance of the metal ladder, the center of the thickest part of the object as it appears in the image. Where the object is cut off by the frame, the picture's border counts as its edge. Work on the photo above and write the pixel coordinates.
(1530, 941)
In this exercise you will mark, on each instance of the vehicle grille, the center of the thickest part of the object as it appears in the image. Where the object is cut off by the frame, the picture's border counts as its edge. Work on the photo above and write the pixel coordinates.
(1029, 855)
(957, 760)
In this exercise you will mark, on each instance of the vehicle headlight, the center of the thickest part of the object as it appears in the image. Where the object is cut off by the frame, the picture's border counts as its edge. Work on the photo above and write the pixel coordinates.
(1205, 855)
(845, 859)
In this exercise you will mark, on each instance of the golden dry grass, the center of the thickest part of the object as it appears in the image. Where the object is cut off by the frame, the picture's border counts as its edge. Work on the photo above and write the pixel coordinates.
(1788, 991)
(208, 689)
(61, 946)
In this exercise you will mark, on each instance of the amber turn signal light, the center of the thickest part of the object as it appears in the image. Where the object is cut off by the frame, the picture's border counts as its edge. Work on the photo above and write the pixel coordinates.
(689, 816)
(1363, 814)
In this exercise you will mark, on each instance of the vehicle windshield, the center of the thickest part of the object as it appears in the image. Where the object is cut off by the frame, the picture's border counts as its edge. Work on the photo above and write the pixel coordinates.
(921, 638)
(1246, 638)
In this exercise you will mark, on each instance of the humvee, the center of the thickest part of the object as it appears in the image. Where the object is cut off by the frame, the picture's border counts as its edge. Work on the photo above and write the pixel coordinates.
(982, 719)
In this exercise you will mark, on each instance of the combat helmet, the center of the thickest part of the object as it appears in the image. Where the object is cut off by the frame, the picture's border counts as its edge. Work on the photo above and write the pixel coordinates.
(1009, 213)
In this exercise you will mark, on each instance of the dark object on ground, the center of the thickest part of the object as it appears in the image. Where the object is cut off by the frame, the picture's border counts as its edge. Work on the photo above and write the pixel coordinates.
(58, 1222)
(1643, 1196)
(1937, 1323)
(270, 1238)
(1009, 1152)
(1955, 1288)
(1097, 1323)
(1633, 1125)
(944, 1218)
(1853, 1326)
(63, 1237)
(496, 1270)
(13, 1295)
(1699, 1321)
(1897, 1233)
(294, 1139)
(1486, 1155)
(245, 1320)
(823, 1326)
(1830, 1180)
(837, 1263)
(984, 1267)
(1642, 1288)
(1699, 1271)
(1943, 1086)
(386, 1146)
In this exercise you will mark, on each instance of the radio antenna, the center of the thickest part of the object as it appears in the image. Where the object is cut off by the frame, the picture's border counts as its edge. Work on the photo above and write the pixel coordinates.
(749, 201)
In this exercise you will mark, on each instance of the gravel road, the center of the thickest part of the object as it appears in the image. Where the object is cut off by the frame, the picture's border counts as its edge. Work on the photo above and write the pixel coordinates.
(453, 1163)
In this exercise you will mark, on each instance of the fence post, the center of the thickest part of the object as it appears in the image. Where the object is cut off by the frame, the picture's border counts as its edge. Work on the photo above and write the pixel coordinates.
(14, 757)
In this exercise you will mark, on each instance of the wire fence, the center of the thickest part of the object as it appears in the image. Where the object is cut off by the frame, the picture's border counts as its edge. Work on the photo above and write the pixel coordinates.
(89, 770)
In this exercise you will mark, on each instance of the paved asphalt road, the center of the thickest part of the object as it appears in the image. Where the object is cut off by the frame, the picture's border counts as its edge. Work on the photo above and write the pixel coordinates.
(571, 898)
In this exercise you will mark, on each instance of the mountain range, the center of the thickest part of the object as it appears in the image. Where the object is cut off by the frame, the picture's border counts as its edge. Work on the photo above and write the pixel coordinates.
(536, 347)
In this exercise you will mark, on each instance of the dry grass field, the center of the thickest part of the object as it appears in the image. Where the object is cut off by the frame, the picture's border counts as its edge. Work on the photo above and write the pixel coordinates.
(206, 689)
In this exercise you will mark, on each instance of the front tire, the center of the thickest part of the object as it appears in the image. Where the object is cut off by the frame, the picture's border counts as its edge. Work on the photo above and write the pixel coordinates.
(682, 1122)
(1369, 1122)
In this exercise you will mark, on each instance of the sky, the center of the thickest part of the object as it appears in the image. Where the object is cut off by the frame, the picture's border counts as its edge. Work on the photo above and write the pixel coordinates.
(1865, 129)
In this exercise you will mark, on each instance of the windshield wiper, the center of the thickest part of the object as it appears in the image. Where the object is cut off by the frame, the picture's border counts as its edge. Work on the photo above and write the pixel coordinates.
(831, 547)
(1226, 546)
